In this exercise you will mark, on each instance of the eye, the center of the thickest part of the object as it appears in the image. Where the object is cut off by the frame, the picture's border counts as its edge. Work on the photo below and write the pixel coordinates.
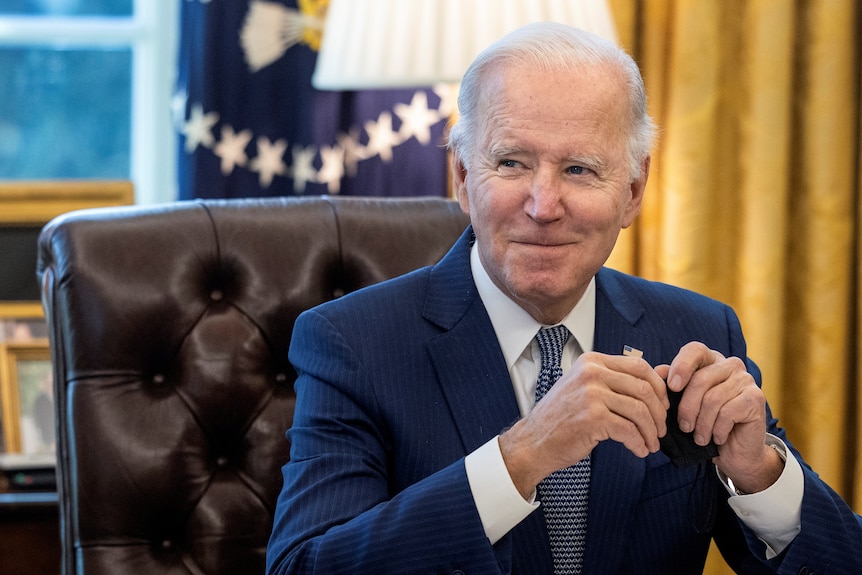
(508, 164)
(576, 170)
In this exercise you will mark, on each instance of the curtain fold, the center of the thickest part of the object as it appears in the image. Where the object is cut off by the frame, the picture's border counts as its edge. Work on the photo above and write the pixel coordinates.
(754, 192)
(822, 217)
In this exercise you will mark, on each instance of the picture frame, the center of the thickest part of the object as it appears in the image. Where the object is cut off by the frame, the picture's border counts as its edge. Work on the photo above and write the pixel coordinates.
(25, 208)
(27, 394)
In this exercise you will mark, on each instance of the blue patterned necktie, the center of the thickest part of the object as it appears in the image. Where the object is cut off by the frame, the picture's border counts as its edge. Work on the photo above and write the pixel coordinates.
(564, 493)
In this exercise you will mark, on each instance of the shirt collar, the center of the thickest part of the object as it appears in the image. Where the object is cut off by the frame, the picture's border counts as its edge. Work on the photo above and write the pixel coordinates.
(515, 328)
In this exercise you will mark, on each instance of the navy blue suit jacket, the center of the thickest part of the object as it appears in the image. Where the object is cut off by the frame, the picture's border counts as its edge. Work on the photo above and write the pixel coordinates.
(400, 381)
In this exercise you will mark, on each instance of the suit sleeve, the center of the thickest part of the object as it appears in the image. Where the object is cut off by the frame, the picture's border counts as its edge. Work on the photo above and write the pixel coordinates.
(338, 512)
(830, 531)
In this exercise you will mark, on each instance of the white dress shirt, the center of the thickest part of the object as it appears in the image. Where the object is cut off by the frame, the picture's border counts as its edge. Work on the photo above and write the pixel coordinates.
(774, 514)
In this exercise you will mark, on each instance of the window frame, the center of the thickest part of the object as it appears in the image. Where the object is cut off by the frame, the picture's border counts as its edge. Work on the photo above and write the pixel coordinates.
(152, 34)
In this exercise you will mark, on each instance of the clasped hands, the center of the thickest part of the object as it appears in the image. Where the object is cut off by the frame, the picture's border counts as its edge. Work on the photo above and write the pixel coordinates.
(625, 399)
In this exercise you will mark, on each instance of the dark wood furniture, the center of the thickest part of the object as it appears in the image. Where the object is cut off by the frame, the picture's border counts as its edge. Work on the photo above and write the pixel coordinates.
(29, 533)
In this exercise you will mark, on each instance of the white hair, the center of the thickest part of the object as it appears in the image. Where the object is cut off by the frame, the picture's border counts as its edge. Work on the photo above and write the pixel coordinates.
(553, 46)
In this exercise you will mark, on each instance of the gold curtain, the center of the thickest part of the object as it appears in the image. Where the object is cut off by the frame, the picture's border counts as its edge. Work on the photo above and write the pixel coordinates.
(754, 196)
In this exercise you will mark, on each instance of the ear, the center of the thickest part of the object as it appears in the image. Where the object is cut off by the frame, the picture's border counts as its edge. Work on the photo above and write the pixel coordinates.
(459, 182)
(637, 189)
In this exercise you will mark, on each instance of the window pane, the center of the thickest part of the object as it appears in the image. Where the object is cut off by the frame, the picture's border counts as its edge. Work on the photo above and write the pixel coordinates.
(67, 7)
(65, 113)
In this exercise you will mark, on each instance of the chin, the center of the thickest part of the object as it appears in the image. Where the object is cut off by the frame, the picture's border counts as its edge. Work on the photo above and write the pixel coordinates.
(541, 290)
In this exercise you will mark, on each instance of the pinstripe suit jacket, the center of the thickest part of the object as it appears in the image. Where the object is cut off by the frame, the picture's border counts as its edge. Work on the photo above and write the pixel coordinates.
(398, 382)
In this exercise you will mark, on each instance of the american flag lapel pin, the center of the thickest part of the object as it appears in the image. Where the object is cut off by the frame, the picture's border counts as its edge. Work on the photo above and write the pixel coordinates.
(632, 351)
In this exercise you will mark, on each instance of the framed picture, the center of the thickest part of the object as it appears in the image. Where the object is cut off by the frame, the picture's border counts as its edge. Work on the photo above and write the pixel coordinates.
(28, 397)
(25, 207)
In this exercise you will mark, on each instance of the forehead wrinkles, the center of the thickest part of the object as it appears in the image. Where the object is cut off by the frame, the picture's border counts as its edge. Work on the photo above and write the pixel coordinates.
(507, 118)
(588, 101)
(558, 95)
(510, 127)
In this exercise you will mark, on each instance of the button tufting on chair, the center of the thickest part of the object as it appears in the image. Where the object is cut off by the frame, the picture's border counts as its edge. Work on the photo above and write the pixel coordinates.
(169, 329)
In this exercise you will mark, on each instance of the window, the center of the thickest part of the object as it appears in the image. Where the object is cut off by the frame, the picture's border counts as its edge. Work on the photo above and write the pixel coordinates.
(86, 90)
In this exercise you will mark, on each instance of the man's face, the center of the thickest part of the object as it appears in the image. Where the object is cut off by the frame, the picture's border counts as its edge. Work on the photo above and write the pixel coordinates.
(548, 188)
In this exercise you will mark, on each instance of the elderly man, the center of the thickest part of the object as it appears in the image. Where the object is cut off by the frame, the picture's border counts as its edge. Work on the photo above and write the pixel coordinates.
(504, 411)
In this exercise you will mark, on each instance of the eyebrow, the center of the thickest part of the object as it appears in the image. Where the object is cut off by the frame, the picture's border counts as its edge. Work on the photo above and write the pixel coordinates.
(594, 163)
(591, 162)
(497, 151)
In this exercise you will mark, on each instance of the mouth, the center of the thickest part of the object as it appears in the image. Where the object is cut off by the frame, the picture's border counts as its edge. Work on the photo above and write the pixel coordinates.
(544, 252)
(543, 243)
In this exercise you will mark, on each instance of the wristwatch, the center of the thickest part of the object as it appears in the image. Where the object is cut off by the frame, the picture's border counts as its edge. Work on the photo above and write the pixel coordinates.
(772, 442)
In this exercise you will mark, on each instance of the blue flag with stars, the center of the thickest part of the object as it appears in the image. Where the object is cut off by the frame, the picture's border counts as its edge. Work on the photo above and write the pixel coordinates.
(250, 124)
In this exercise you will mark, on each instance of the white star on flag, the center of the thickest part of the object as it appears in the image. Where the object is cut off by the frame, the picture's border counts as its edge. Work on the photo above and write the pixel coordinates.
(353, 150)
(381, 138)
(332, 169)
(198, 129)
(416, 119)
(302, 170)
(269, 162)
(231, 149)
(448, 94)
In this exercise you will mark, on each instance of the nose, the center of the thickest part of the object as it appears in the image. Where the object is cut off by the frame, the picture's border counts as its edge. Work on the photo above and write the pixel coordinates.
(544, 202)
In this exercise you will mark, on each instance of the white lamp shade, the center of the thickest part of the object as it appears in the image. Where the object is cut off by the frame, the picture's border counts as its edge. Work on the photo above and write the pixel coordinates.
(408, 43)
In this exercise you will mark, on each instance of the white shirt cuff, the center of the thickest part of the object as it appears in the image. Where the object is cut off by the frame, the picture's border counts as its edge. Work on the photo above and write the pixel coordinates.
(775, 513)
(500, 505)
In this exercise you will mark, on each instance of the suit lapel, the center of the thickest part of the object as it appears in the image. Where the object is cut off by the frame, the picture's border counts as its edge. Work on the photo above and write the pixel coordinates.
(617, 474)
(473, 375)
(474, 378)
(469, 363)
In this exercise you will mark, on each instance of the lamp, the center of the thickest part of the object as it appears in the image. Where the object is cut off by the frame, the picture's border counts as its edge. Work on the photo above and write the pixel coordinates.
(410, 43)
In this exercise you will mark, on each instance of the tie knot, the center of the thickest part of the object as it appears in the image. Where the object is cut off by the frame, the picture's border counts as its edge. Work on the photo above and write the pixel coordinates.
(551, 342)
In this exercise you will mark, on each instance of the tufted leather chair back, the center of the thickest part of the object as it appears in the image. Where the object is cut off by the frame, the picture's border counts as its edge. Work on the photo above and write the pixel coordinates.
(169, 330)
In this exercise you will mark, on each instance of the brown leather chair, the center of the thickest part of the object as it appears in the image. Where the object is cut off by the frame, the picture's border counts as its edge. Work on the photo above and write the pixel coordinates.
(169, 329)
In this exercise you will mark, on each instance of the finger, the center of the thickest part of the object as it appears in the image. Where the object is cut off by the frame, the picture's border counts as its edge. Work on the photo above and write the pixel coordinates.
(640, 396)
(692, 357)
(643, 419)
(692, 412)
(627, 432)
(640, 370)
(706, 392)
(738, 402)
